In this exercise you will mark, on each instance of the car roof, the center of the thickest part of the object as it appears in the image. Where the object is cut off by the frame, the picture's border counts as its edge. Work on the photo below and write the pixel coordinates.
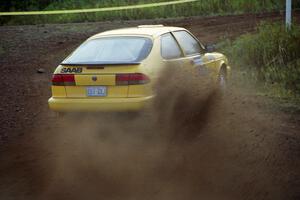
(145, 30)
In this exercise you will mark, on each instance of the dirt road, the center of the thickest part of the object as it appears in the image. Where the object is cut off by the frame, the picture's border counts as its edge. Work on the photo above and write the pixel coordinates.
(237, 146)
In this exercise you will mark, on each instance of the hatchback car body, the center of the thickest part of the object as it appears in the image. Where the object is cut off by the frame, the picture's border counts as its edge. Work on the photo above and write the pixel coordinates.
(116, 70)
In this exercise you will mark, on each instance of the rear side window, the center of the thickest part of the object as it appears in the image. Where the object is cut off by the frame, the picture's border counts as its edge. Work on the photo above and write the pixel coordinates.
(188, 43)
(169, 47)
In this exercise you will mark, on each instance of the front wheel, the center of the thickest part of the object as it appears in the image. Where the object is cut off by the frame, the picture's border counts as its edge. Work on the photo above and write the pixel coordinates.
(222, 78)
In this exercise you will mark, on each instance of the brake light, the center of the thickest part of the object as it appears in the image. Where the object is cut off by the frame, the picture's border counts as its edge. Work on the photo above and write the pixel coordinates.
(63, 79)
(132, 79)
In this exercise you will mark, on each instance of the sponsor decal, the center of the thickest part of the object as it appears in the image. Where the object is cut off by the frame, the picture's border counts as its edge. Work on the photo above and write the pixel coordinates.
(200, 66)
(71, 70)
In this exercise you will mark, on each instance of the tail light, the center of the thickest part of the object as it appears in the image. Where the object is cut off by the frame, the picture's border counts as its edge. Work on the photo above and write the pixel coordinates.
(132, 79)
(63, 79)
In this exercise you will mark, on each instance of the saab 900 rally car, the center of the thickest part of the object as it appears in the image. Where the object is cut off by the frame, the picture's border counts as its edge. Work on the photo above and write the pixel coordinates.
(115, 70)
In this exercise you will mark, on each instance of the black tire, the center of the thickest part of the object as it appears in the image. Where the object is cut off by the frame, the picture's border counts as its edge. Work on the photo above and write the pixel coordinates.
(222, 78)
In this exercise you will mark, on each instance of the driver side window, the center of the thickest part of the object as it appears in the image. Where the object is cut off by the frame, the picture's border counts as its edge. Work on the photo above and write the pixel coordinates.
(188, 43)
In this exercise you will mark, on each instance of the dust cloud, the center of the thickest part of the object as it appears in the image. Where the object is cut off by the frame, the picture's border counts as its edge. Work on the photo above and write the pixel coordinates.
(172, 150)
(211, 146)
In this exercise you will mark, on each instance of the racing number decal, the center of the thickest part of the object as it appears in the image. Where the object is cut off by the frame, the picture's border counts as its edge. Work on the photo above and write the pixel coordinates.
(71, 70)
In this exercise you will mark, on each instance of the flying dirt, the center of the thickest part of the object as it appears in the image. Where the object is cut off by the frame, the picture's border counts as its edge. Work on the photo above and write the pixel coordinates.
(196, 141)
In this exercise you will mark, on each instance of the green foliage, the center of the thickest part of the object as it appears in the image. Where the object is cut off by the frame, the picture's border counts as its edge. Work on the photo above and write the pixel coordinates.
(26, 5)
(270, 56)
(75, 4)
(198, 8)
(2, 51)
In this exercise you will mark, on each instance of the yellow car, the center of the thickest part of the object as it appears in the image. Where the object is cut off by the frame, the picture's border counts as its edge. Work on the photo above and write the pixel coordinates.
(116, 70)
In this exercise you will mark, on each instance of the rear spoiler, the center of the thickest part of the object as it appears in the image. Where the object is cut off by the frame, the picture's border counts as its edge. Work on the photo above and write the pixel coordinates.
(100, 64)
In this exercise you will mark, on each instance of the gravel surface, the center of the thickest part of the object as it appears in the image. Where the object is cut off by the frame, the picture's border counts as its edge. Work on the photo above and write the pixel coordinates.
(240, 146)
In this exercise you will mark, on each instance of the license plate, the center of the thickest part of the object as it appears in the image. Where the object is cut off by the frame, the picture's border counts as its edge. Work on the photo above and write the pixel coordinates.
(96, 91)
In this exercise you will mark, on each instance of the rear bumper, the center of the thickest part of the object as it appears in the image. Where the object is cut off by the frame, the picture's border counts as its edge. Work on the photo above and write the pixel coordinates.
(94, 105)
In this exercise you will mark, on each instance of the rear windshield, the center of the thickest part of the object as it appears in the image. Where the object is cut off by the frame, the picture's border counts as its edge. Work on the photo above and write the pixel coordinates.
(125, 49)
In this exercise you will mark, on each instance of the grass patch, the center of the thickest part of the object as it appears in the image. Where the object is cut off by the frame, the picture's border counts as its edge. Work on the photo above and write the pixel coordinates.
(2, 51)
(268, 58)
(198, 8)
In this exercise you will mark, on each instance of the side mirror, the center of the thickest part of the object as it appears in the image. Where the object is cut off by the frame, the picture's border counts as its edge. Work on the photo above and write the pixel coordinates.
(210, 48)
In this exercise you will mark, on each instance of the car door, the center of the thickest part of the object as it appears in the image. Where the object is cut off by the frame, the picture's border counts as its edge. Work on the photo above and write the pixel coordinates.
(194, 53)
